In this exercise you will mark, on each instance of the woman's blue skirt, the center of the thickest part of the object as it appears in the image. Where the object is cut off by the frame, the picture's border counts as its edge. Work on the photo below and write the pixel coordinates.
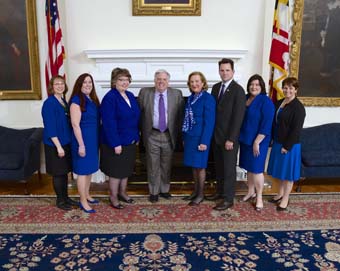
(285, 166)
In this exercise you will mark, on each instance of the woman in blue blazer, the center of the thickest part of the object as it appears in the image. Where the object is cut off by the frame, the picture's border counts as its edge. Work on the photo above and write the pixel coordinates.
(198, 127)
(120, 119)
(255, 136)
(57, 139)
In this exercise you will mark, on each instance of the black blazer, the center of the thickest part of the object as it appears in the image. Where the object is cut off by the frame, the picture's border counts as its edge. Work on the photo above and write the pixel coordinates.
(290, 123)
(229, 112)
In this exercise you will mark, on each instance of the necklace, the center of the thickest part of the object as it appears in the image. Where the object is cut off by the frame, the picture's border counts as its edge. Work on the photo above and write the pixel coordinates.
(60, 100)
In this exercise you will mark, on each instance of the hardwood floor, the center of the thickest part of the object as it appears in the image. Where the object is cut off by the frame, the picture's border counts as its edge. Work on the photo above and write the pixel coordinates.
(44, 187)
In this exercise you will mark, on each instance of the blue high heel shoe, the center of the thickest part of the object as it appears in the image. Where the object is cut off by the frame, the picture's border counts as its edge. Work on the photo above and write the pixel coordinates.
(91, 211)
(94, 201)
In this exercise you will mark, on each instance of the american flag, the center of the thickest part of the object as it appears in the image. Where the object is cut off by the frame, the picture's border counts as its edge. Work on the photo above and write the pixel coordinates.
(56, 52)
(279, 53)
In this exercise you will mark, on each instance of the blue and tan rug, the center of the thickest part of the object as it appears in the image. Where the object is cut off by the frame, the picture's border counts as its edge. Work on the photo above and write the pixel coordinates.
(169, 235)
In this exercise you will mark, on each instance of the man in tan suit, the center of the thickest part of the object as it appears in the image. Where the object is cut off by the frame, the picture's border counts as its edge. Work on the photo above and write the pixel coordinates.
(161, 118)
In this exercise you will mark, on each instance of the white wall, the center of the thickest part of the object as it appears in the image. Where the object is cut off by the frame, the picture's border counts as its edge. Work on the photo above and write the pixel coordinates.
(109, 24)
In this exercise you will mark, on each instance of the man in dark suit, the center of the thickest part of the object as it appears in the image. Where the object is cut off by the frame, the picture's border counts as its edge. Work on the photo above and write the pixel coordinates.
(161, 118)
(230, 108)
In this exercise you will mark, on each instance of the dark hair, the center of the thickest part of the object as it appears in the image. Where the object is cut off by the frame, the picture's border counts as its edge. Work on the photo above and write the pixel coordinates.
(226, 61)
(203, 79)
(77, 91)
(50, 90)
(291, 81)
(119, 72)
(261, 81)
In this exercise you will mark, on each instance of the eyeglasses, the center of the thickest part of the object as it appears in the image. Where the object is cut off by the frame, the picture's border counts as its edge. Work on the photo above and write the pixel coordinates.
(123, 79)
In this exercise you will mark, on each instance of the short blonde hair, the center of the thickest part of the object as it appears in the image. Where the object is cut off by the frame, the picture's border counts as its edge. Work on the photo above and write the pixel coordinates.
(203, 79)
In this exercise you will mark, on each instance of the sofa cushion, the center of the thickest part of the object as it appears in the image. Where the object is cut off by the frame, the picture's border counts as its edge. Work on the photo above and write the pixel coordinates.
(321, 158)
(13, 140)
(11, 160)
(323, 138)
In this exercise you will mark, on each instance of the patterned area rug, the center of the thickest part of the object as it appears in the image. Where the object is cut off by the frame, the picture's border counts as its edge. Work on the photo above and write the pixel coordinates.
(39, 215)
(169, 235)
(238, 251)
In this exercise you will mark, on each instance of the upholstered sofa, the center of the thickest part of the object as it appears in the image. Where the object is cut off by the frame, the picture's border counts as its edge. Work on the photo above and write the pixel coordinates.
(321, 151)
(19, 153)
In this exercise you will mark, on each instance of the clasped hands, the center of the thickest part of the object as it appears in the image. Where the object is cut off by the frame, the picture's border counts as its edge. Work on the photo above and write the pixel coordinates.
(202, 147)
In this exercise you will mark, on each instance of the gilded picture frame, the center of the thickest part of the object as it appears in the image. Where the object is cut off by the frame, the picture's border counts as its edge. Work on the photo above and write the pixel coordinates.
(166, 8)
(319, 81)
(20, 59)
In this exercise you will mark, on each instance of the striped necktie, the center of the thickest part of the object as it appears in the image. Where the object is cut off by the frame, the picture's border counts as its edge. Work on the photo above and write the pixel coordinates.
(220, 95)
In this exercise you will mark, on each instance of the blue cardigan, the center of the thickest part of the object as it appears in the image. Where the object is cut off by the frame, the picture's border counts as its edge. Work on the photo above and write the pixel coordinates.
(119, 120)
(258, 119)
(56, 121)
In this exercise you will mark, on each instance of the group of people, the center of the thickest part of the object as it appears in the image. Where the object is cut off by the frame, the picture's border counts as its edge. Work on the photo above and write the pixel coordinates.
(225, 119)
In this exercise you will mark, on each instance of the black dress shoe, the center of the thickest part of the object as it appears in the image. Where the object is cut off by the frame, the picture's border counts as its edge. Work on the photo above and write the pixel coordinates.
(72, 202)
(214, 197)
(153, 198)
(190, 197)
(273, 200)
(129, 200)
(64, 205)
(224, 205)
(166, 195)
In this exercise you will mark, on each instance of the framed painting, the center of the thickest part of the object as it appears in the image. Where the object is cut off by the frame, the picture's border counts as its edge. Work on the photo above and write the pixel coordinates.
(315, 54)
(19, 55)
(166, 8)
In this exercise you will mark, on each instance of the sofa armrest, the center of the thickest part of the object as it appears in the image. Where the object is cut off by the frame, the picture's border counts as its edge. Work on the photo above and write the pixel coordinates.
(32, 152)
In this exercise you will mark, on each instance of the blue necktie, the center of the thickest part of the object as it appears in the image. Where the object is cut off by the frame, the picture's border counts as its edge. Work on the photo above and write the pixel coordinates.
(161, 111)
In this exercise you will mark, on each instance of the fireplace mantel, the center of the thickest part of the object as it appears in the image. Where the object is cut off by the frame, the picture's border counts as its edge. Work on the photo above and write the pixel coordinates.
(142, 63)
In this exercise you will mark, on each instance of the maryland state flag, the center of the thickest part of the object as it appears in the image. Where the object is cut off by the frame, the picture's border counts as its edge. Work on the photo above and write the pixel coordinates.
(279, 52)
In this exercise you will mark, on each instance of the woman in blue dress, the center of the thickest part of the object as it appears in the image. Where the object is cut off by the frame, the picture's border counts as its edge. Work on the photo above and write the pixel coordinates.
(255, 136)
(198, 127)
(84, 110)
(285, 157)
(120, 119)
(57, 140)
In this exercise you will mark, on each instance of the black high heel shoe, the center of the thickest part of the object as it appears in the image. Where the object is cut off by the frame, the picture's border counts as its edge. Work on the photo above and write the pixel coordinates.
(273, 200)
(195, 203)
(118, 206)
(258, 209)
(249, 198)
(129, 200)
(190, 197)
(280, 209)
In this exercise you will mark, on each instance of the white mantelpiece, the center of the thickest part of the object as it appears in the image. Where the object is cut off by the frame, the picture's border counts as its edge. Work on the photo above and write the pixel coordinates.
(143, 63)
